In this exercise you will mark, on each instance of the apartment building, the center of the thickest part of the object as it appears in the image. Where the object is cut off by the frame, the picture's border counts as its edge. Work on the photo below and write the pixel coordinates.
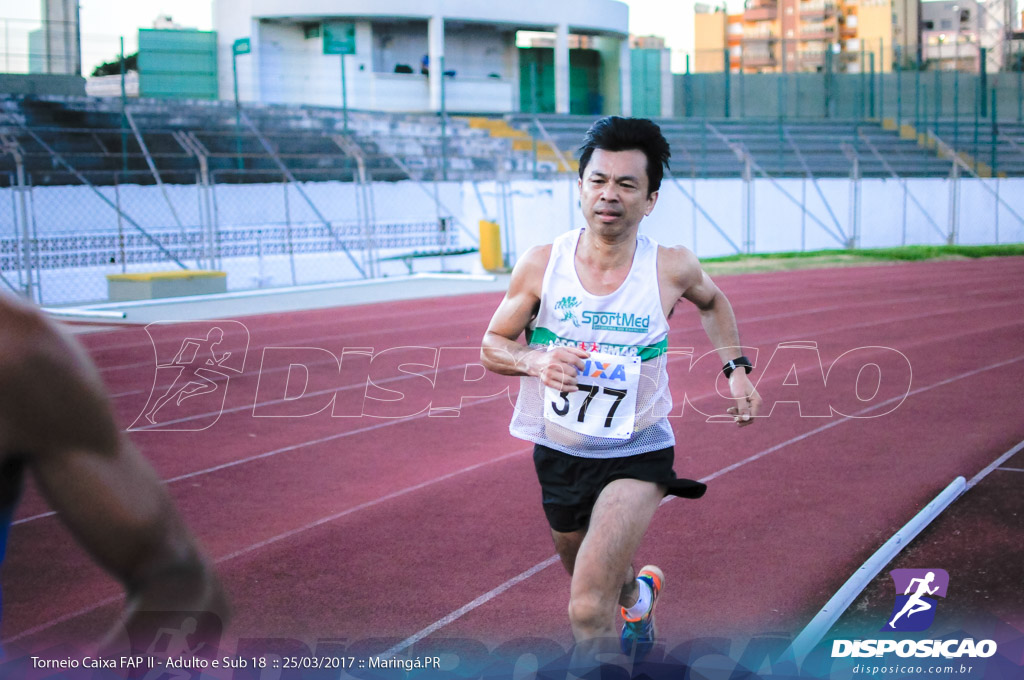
(772, 36)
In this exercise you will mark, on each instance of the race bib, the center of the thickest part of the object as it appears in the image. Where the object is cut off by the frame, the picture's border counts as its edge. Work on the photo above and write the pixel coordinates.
(605, 404)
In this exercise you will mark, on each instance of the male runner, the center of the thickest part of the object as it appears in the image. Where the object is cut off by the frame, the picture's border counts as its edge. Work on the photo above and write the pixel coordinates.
(56, 425)
(594, 395)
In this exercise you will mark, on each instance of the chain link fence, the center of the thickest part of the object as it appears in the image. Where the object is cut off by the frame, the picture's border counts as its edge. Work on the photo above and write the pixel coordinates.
(60, 242)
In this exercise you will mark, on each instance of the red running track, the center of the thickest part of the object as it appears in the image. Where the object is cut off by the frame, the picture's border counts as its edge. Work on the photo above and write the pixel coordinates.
(411, 526)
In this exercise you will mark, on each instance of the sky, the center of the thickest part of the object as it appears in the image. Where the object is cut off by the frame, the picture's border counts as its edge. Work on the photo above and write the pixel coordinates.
(104, 21)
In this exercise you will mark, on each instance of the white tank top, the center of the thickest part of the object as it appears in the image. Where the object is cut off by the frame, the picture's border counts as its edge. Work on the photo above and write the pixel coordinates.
(624, 400)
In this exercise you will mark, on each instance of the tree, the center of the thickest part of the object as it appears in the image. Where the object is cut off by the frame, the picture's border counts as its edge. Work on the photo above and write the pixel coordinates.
(113, 68)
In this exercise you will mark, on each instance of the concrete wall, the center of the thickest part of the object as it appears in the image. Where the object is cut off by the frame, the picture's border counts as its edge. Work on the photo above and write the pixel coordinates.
(40, 84)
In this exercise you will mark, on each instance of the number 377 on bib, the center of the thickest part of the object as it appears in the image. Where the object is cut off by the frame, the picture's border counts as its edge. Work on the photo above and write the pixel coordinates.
(605, 405)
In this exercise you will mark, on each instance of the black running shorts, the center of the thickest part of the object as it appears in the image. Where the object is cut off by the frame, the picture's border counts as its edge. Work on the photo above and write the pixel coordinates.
(570, 484)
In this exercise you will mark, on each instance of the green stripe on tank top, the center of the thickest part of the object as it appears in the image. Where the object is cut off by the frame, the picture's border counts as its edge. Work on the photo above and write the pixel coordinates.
(543, 336)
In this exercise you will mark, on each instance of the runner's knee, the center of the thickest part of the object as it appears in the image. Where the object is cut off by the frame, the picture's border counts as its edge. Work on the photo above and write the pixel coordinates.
(590, 611)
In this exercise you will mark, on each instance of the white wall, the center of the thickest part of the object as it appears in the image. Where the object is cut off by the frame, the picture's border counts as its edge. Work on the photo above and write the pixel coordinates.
(478, 94)
(476, 50)
(707, 216)
(291, 66)
(704, 215)
(592, 15)
(541, 209)
(479, 40)
(398, 43)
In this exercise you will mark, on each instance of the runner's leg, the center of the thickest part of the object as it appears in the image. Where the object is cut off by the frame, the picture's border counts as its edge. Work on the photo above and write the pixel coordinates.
(603, 572)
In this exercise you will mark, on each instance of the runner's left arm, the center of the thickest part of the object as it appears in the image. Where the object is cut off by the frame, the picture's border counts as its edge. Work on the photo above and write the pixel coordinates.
(719, 322)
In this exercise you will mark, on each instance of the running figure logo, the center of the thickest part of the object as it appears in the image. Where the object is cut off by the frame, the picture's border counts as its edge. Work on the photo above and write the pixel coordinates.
(566, 305)
(172, 645)
(914, 609)
(190, 385)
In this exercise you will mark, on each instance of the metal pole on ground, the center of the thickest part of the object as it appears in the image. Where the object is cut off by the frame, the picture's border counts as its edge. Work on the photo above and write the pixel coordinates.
(781, 108)
(863, 84)
(994, 133)
(979, 97)
(954, 202)
(288, 231)
(1020, 84)
(956, 113)
(533, 110)
(881, 78)
(828, 80)
(124, 105)
(444, 128)
(917, 96)
(728, 83)
(956, 74)
(704, 129)
(983, 76)
(899, 86)
(796, 95)
(687, 90)
(120, 225)
(924, 111)
(23, 217)
(781, 94)
(871, 93)
(743, 91)
(239, 46)
(344, 97)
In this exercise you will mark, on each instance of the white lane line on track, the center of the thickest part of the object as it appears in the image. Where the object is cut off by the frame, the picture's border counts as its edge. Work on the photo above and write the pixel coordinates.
(246, 406)
(368, 504)
(284, 449)
(63, 619)
(1009, 469)
(282, 536)
(826, 618)
(469, 606)
(395, 421)
(994, 465)
(747, 320)
(483, 599)
(490, 595)
(488, 306)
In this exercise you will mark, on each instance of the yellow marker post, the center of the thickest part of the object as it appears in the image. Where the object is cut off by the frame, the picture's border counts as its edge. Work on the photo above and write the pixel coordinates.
(490, 246)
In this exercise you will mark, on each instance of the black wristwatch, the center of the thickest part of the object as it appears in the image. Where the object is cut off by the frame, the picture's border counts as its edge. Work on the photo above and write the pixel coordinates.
(733, 364)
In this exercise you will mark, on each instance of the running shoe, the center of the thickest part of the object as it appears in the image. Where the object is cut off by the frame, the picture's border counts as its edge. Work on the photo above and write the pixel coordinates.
(638, 634)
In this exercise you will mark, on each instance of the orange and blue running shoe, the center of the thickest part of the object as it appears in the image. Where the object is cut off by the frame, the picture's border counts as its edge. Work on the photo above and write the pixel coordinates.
(638, 635)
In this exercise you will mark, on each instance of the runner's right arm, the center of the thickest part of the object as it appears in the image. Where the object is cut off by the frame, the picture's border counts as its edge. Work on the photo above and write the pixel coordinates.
(500, 350)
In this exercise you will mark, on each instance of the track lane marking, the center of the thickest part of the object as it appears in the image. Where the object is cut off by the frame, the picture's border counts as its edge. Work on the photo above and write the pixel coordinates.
(397, 421)
(540, 566)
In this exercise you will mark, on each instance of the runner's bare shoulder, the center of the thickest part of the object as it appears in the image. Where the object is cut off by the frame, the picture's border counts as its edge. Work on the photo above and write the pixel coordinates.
(528, 274)
(679, 266)
(53, 396)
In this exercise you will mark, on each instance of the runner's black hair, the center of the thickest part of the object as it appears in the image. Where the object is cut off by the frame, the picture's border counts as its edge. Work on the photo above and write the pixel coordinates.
(614, 133)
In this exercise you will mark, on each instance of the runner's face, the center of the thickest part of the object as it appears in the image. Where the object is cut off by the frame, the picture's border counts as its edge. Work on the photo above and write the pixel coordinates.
(613, 191)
